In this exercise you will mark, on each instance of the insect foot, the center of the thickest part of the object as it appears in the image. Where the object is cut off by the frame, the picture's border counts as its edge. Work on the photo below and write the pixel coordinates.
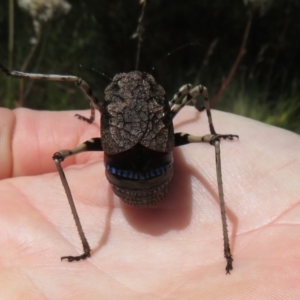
(217, 137)
(229, 260)
(79, 257)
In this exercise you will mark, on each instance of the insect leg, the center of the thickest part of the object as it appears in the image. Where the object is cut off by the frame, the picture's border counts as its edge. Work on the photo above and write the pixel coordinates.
(90, 145)
(94, 102)
(213, 139)
(181, 92)
(191, 96)
(227, 252)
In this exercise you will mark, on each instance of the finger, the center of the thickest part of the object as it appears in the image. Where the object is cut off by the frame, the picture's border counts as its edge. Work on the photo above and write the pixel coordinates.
(29, 139)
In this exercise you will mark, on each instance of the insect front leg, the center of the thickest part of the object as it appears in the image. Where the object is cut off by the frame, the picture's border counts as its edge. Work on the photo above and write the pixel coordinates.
(84, 86)
(90, 145)
(182, 92)
(191, 95)
(213, 139)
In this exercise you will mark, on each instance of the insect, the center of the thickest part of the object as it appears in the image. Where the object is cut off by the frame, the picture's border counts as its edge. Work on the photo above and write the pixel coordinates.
(137, 137)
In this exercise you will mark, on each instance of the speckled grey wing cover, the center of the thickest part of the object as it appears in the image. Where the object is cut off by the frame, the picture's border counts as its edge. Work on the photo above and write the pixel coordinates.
(135, 111)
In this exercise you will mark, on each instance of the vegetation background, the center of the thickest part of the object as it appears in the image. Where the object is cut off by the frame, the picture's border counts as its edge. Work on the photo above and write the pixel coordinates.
(245, 51)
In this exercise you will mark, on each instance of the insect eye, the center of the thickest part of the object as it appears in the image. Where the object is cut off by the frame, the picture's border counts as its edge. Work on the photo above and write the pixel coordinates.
(119, 84)
(116, 86)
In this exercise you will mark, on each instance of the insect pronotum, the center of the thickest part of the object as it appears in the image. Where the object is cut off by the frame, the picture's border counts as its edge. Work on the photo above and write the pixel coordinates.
(137, 138)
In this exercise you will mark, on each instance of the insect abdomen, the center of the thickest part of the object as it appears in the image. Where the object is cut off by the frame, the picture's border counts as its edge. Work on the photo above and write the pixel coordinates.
(139, 176)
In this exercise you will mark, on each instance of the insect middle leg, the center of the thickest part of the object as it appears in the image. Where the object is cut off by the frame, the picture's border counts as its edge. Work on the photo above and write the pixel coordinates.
(84, 86)
(90, 145)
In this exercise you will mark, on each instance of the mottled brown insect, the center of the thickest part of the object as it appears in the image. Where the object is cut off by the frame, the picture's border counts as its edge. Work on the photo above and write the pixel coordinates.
(137, 138)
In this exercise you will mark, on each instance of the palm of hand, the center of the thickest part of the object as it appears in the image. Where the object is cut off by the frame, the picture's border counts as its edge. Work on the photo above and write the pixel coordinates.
(173, 250)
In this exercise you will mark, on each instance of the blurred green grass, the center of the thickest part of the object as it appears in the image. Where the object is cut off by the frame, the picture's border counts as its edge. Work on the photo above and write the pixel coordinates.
(97, 34)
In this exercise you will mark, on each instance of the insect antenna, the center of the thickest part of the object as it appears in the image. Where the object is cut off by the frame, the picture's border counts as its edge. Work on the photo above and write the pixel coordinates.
(139, 34)
(170, 53)
(96, 71)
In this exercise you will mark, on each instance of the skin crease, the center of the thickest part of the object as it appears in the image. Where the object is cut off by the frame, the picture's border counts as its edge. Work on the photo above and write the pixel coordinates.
(171, 251)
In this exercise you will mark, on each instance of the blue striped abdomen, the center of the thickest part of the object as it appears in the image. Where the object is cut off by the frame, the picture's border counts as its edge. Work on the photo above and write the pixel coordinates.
(140, 176)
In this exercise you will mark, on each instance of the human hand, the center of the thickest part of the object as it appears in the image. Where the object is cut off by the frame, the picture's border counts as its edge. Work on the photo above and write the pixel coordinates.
(171, 251)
